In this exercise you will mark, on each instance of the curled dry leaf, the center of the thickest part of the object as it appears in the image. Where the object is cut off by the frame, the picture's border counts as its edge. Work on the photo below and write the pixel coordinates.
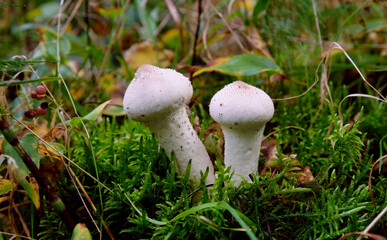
(56, 133)
(257, 43)
(45, 152)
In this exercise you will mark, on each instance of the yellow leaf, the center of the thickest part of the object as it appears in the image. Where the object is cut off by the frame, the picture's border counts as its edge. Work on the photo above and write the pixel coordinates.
(5, 186)
(147, 53)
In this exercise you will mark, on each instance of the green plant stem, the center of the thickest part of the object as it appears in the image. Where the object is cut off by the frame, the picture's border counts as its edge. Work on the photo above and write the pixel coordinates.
(47, 189)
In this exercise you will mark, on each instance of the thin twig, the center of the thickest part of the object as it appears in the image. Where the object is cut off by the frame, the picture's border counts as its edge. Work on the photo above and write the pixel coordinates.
(16, 235)
(72, 15)
(193, 61)
(317, 25)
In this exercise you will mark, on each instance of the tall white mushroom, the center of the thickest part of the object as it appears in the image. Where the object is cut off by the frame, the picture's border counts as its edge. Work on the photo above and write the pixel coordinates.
(158, 98)
(242, 111)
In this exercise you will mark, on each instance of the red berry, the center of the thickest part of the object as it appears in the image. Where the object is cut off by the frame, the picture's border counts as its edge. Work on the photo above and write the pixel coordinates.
(30, 113)
(40, 97)
(34, 94)
(41, 90)
(44, 105)
(41, 111)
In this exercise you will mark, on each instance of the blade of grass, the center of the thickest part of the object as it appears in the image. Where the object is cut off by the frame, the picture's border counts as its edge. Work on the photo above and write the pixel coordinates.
(17, 82)
(356, 95)
(75, 109)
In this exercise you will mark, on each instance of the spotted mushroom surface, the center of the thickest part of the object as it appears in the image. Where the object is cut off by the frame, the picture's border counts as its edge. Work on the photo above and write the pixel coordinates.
(155, 90)
(239, 103)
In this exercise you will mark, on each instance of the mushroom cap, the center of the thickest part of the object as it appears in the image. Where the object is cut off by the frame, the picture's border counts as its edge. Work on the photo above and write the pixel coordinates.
(241, 105)
(155, 90)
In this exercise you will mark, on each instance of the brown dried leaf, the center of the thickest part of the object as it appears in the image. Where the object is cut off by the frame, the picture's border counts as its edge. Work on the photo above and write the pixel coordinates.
(43, 151)
(56, 133)
(306, 175)
(257, 43)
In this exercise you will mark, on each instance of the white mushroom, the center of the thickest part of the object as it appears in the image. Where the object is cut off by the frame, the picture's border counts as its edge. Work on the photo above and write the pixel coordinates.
(158, 98)
(242, 111)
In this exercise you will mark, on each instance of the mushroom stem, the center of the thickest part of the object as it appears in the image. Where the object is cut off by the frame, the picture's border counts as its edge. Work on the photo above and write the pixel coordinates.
(241, 151)
(176, 134)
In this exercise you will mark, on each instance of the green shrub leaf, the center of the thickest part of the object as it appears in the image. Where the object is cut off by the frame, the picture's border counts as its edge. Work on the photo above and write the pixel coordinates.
(243, 65)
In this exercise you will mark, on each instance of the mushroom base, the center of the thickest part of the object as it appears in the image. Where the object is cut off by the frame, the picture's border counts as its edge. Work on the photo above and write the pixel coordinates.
(242, 148)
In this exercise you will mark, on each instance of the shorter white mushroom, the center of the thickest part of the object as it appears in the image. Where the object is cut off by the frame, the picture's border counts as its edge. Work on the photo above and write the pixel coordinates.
(242, 111)
(158, 98)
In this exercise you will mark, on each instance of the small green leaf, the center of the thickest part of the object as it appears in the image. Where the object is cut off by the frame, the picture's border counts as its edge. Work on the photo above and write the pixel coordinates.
(57, 148)
(92, 116)
(32, 190)
(81, 232)
(243, 65)
(5, 186)
(115, 111)
(30, 143)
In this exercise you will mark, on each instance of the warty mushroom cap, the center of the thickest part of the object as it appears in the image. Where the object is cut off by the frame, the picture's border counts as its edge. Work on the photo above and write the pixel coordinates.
(156, 90)
(240, 105)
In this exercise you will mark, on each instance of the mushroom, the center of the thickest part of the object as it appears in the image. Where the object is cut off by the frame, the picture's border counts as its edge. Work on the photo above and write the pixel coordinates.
(242, 111)
(158, 98)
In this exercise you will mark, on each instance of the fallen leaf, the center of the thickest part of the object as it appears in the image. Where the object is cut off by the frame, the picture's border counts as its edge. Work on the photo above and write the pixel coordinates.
(45, 152)
(147, 53)
(257, 43)
(5, 186)
(306, 176)
(56, 133)
(32, 189)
